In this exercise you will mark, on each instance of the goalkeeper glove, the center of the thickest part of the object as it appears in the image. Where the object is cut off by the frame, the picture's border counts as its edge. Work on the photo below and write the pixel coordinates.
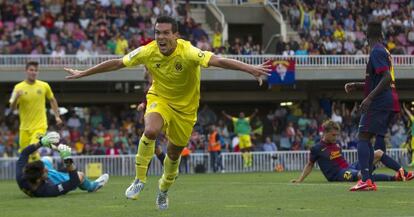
(65, 153)
(50, 139)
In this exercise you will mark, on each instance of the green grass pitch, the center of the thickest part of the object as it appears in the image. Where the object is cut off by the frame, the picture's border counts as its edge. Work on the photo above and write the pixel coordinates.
(220, 195)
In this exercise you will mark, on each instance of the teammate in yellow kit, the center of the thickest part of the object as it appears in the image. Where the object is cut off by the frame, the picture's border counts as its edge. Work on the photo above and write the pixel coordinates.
(29, 97)
(173, 98)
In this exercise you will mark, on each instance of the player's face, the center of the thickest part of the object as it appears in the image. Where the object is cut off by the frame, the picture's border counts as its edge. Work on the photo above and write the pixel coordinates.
(166, 39)
(241, 115)
(31, 73)
(331, 136)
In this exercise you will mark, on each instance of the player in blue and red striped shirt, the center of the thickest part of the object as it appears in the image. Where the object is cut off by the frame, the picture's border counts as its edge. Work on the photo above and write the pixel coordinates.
(379, 105)
(328, 154)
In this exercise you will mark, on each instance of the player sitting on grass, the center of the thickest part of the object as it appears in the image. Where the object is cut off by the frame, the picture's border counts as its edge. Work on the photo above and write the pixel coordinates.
(40, 179)
(334, 167)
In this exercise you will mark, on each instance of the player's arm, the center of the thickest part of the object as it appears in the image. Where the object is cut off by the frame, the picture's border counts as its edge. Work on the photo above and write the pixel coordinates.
(23, 159)
(351, 86)
(382, 85)
(49, 190)
(254, 114)
(380, 62)
(55, 108)
(256, 70)
(306, 171)
(106, 66)
(46, 141)
(15, 98)
(226, 115)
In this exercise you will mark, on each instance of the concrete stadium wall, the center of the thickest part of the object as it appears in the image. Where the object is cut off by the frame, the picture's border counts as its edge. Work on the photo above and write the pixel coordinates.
(209, 74)
(257, 14)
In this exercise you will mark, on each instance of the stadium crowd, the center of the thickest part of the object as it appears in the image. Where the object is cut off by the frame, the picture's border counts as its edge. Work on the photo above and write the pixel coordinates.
(87, 28)
(338, 27)
(60, 28)
(110, 131)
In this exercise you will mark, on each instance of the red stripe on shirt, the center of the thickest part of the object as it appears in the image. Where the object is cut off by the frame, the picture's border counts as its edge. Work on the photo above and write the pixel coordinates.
(382, 69)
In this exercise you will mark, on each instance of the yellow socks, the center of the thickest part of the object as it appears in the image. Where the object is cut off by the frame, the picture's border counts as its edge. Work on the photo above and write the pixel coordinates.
(145, 153)
(170, 173)
(247, 159)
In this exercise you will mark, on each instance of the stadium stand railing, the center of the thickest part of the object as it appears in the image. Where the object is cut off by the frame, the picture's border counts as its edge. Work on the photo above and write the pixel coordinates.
(16, 61)
(123, 165)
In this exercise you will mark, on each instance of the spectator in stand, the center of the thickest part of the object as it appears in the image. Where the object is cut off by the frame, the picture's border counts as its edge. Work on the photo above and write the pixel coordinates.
(203, 44)
(269, 145)
(82, 54)
(73, 122)
(121, 45)
(58, 54)
(288, 52)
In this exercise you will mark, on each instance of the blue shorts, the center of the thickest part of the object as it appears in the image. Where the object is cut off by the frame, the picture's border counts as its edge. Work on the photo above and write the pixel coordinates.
(375, 121)
(55, 176)
(348, 175)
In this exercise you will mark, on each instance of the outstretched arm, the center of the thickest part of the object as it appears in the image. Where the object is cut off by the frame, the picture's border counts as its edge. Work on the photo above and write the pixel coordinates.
(256, 71)
(106, 66)
(306, 171)
(351, 86)
(254, 113)
(226, 115)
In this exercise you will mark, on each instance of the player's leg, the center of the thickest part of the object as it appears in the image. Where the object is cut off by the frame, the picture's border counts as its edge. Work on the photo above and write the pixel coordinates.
(380, 156)
(92, 186)
(242, 147)
(380, 143)
(160, 154)
(364, 153)
(34, 139)
(171, 168)
(249, 151)
(24, 140)
(371, 123)
(412, 150)
(153, 125)
(178, 134)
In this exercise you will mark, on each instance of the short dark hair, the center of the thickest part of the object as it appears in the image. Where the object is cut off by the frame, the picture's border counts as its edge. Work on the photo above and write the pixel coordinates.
(170, 20)
(33, 171)
(374, 30)
(32, 63)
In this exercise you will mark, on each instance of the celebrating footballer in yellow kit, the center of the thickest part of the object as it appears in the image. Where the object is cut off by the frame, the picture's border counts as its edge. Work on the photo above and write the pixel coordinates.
(173, 99)
(29, 96)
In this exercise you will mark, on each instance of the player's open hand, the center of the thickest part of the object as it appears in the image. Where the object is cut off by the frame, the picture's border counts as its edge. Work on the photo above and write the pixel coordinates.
(349, 87)
(74, 74)
(260, 70)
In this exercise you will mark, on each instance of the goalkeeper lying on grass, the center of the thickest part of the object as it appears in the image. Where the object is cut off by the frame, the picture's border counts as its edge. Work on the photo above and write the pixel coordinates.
(40, 179)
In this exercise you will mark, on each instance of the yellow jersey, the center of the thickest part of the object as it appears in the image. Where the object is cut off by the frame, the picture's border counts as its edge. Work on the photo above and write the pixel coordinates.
(176, 78)
(31, 104)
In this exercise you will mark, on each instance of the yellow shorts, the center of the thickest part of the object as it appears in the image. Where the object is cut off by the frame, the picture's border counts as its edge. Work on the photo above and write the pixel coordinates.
(28, 137)
(244, 141)
(177, 126)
